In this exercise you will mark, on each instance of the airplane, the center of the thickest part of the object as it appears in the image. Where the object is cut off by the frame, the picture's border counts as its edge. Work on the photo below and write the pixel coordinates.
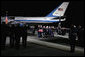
(56, 15)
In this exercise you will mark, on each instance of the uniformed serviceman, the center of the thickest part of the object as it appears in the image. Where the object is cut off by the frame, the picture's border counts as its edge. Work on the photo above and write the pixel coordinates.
(17, 36)
(4, 31)
(72, 37)
(12, 35)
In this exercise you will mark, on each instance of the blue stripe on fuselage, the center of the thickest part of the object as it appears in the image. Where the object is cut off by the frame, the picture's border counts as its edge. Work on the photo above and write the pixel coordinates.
(37, 20)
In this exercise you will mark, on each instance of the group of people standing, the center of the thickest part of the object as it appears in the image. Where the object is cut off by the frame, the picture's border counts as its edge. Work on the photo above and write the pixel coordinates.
(15, 32)
(75, 32)
(45, 31)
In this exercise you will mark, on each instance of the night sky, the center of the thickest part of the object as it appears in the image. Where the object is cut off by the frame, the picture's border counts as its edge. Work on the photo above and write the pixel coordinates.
(74, 13)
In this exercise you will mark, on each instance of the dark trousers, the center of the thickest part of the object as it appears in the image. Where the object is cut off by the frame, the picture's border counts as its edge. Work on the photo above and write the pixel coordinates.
(33, 32)
(72, 49)
(12, 39)
(17, 41)
(39, 34)
(3, 41)
(72, 43)
(24, 40)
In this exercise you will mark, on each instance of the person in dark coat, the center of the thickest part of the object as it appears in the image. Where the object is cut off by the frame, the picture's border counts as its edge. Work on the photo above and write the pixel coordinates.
(47, 31)
(40, 31)
(12, 35)
(4, 34)
(24, 35)
(80, 35)
(17, 36)
(72, 37)
(33, 30)
(52, 31)
(44, 31)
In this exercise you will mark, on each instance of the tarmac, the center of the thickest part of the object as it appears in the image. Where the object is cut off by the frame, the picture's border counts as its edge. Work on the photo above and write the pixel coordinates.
(38, 47)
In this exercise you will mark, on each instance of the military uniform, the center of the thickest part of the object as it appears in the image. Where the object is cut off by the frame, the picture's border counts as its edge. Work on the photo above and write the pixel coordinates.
(72, 37)
(4, 31)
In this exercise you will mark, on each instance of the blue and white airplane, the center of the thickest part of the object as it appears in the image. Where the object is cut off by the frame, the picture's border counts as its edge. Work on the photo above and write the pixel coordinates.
(50, 18)
(54, 16)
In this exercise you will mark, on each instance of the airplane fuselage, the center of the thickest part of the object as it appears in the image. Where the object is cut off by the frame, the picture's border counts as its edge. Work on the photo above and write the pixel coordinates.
(37, 19)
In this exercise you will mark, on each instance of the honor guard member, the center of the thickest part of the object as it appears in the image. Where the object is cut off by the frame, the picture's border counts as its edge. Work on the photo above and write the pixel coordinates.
(12, 35)
(72, 37)
(4, 31)
(24, 35)
(17, 36)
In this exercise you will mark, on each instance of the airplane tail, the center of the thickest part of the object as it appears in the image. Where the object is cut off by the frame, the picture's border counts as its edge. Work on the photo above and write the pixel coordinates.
(59, 11)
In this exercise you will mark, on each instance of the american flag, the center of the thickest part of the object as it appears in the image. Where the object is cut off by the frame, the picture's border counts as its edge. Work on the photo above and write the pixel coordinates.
(6, 20)
(60, 9)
